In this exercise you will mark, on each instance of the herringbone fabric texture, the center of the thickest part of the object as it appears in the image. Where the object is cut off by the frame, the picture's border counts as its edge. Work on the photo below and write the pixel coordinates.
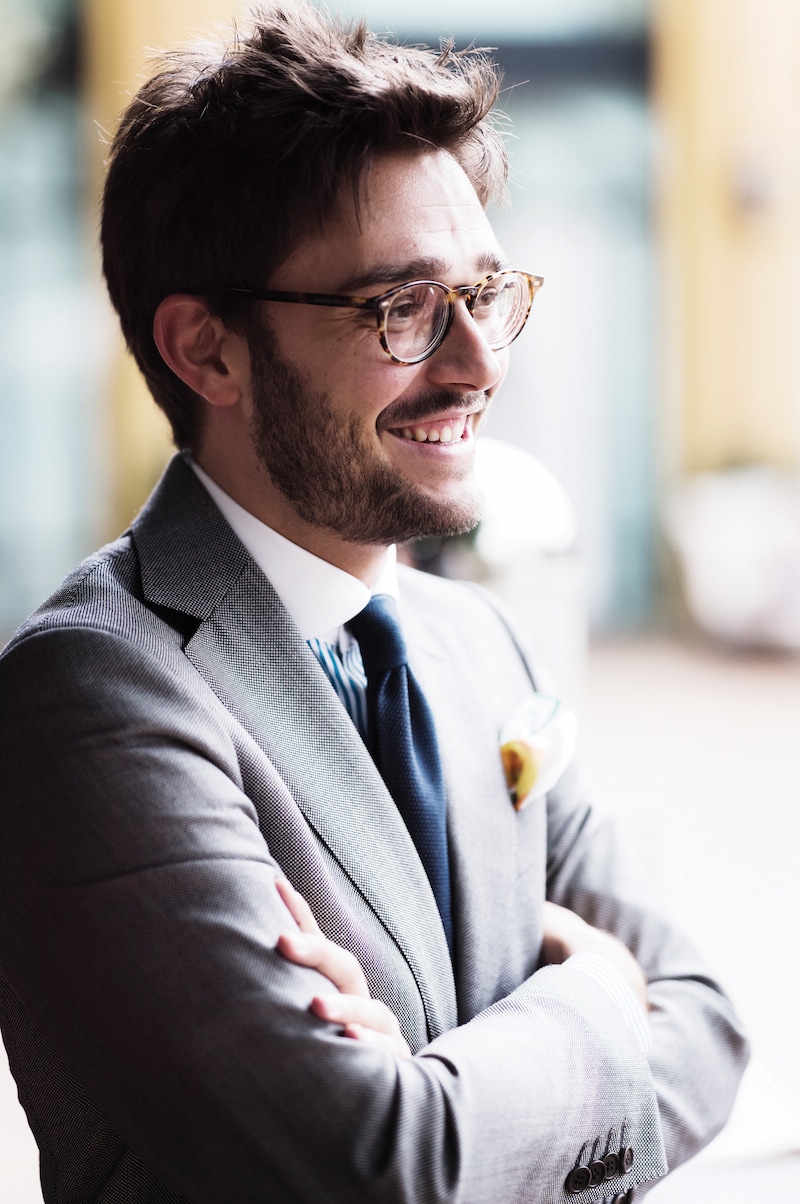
(402, 740)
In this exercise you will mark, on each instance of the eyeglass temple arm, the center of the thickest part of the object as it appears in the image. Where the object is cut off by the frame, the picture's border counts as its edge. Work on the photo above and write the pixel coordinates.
(267, 294)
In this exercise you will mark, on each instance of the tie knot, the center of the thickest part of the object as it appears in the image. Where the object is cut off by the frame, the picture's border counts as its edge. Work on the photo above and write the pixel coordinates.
(377, 629)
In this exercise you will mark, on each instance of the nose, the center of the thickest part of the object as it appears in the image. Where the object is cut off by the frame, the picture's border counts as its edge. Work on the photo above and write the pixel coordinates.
(464, 361)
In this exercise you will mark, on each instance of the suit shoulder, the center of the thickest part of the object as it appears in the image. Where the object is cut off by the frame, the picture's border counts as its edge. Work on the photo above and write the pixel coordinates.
(430, 594)
(444, 600)
(96, 617)
(463, 615)
(102, 594)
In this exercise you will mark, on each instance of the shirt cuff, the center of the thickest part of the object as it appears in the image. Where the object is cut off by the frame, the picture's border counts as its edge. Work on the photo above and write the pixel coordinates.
(618, 990)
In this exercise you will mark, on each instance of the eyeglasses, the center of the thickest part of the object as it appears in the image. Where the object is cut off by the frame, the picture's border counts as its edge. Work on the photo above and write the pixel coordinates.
(413, 319)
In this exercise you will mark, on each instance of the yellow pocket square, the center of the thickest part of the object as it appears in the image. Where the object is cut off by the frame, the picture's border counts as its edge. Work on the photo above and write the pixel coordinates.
(536, 745)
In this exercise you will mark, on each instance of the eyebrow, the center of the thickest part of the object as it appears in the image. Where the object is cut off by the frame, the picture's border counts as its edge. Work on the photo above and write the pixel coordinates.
(412, 269)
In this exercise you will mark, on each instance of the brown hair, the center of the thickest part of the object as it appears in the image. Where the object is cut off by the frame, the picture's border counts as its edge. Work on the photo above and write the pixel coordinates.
(222, 160)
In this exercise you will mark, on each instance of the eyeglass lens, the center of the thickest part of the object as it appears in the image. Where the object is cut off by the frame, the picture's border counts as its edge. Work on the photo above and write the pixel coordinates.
(416, 316)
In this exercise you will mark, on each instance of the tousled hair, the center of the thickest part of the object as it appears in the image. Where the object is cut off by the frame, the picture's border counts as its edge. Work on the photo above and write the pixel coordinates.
(224, 159)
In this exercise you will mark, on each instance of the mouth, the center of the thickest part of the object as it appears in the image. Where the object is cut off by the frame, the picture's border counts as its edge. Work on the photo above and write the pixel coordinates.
(452, 428)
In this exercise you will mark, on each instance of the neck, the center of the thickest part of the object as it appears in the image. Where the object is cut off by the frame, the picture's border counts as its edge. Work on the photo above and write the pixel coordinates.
(252, 488)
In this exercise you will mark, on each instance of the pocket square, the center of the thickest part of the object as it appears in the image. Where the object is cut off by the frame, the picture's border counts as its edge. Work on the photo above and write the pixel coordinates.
(536, 745)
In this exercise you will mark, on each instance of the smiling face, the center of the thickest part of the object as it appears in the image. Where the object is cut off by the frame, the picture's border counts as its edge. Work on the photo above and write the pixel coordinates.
(367, 450)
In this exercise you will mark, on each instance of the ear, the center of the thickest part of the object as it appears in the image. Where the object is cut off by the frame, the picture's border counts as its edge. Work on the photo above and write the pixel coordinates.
(198, 347)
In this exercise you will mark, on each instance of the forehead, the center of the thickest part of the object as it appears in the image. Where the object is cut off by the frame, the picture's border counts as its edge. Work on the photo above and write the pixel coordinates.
(416, 211)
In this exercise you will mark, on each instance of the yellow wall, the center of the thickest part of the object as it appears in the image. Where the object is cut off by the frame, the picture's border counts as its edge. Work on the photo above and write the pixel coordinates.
(727, 91)
(120, 37)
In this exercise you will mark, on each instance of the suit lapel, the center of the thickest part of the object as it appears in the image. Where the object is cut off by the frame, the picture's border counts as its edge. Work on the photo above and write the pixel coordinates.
(483, 827)
(250, 652)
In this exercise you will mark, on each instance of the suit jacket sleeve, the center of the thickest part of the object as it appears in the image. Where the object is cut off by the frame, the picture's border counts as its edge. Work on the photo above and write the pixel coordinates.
(698, 1051)
(138, 921)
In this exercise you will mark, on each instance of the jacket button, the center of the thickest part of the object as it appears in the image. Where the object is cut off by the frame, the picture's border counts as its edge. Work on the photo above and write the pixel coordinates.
(630, 1195)
(578, 1179)
(612, 1165)
(598, 1172)
(625, 1159)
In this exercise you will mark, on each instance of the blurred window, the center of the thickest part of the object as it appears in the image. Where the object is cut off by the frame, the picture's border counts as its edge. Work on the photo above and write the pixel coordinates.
(45, 320)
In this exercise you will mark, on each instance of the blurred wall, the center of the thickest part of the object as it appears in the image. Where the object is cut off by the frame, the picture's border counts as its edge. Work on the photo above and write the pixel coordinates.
(619, 396)
(727, 98)
(121, 39)
(49, 418)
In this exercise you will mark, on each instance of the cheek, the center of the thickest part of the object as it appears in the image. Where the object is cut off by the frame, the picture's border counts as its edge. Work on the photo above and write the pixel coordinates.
(504, 359)
(367, 390)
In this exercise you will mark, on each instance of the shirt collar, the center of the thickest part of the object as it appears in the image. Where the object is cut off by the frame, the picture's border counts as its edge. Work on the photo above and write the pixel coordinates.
(319, 596)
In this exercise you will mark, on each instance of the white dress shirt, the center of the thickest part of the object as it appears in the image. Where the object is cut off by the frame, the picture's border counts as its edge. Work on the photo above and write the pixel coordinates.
(320, 597)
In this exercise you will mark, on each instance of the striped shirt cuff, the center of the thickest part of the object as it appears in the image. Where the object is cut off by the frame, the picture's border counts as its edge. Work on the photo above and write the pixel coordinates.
(618, 990)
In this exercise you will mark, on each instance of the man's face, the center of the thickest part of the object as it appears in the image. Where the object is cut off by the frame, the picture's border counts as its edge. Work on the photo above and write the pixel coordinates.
(374, 451)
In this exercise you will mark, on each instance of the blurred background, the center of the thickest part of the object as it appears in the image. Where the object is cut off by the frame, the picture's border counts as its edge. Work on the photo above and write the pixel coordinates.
(644, 505)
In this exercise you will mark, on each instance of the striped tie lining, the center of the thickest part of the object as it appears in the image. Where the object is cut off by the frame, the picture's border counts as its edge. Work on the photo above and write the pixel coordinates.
(345, 672)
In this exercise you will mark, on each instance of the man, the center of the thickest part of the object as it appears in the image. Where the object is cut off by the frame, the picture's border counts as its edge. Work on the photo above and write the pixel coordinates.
(203, 708)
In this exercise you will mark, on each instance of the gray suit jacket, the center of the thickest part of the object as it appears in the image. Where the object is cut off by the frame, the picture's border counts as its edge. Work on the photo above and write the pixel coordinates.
(168, 742)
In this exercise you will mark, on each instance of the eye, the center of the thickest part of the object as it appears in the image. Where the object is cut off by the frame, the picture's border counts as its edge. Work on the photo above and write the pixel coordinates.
(404, 309)
(487, 301)
(411, 307)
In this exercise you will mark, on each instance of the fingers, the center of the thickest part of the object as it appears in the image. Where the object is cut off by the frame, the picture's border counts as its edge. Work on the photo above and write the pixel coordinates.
(355, 1009)
(309, 947)
(362, 1018)
(368, 1020)
(566, 933)
(396, 1046)
(300, 911)
(337, 964)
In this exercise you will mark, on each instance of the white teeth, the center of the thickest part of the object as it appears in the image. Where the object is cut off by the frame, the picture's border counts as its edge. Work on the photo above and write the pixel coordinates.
(451, 433)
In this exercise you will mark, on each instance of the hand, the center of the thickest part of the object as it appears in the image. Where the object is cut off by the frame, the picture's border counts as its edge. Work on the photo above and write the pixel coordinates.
(566, 933)
(362, 1018)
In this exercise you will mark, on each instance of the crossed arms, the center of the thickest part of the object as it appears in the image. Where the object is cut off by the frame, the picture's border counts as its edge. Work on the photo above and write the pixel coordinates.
(140, 940)
(366, 1019)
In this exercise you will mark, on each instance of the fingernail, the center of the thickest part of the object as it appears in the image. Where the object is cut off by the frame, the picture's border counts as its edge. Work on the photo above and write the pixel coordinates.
(325, 1006)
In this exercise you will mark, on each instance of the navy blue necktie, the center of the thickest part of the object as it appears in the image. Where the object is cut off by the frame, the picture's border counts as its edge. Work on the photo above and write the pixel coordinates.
(403, 743)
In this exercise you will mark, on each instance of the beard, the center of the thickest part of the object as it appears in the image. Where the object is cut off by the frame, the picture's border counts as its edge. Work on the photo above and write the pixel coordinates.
(329, 473)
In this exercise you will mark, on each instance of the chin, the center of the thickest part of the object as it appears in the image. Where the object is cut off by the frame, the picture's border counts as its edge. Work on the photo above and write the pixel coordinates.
(431, 517)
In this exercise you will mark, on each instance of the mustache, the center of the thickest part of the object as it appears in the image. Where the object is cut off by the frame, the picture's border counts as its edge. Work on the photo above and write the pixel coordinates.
(429, 406)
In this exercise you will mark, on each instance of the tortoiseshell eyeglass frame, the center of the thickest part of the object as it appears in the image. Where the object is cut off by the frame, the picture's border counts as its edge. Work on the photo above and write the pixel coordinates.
(381, 304)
